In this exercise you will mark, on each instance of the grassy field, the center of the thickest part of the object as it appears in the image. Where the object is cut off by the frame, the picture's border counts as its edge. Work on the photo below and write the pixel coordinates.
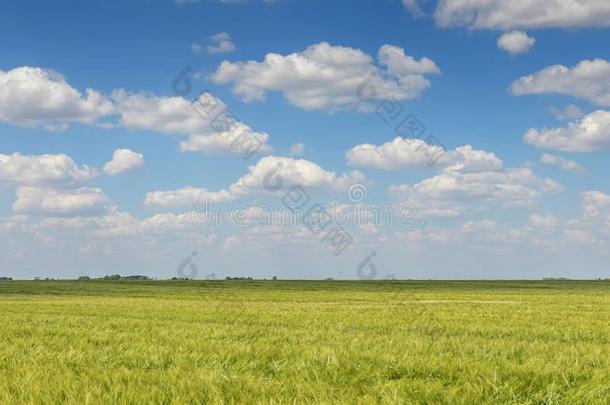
(304, 342)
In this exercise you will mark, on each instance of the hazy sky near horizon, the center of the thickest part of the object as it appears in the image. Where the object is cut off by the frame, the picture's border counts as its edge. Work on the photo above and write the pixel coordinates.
(305, 139)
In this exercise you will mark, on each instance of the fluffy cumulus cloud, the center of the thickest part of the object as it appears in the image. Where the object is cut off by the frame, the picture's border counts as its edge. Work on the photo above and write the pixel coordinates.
(269, 175)
(516, 42)
(596, 205)
(186, 196)
(451, 192)
(169, 115)
(543, 221)
(466, 159)
(52, 185)
(402, 153)
(39, 97)
(221, 43)
(484, 236)
(35, 97)
(120, 227)
(47, 201)
(473, 178)
(269, 171)
(592, 133)
(588, 80)
(506, 15)
(329, 77)
(48, 170)
(593, 226)
(210, 125)
(561, 162)
(239, 139)
(123, 160)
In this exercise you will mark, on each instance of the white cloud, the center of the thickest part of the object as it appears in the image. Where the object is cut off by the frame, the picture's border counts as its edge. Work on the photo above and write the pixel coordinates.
(240, 139)
(43, 170)
(561, 162)
(512, 188)
(185, 197)
(211, 126)
(196, 48)
(516, 42)
(296, 149)
(465, 159)
(580, 236)
(169, 115)
(593, 227)
(413, 7)
(506, 15)
(569, 112)
(592, 133)
(471, 178)
(35, 97)
(269, 175)
(543, 221)
(221, 43)
(329, 77)
(167, 222)
(481, 225)
(596, 205)
(121, 225)
(397, 154)
(293, 172)
(588, 80)
(403, 153)
(85, 200)
(404, 67)
(123, 160)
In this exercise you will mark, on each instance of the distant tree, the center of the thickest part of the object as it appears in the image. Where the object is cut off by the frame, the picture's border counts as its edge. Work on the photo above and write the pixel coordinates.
(274, 278)
(84, 278)
(136, 278)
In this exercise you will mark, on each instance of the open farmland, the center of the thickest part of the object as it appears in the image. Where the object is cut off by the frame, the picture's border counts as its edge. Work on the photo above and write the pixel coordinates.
(304, 342)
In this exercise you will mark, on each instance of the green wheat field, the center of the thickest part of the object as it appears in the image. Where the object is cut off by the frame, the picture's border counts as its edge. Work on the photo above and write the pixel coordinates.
(286, 342)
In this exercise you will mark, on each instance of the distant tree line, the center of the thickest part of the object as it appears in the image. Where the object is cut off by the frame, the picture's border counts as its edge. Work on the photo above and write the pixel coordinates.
(115, 277)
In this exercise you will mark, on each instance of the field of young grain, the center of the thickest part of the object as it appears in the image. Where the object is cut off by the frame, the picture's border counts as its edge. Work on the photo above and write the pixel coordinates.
(304, 342)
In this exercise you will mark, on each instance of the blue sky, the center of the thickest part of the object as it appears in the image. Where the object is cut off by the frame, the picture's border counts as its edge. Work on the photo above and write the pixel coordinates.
(114, 180)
